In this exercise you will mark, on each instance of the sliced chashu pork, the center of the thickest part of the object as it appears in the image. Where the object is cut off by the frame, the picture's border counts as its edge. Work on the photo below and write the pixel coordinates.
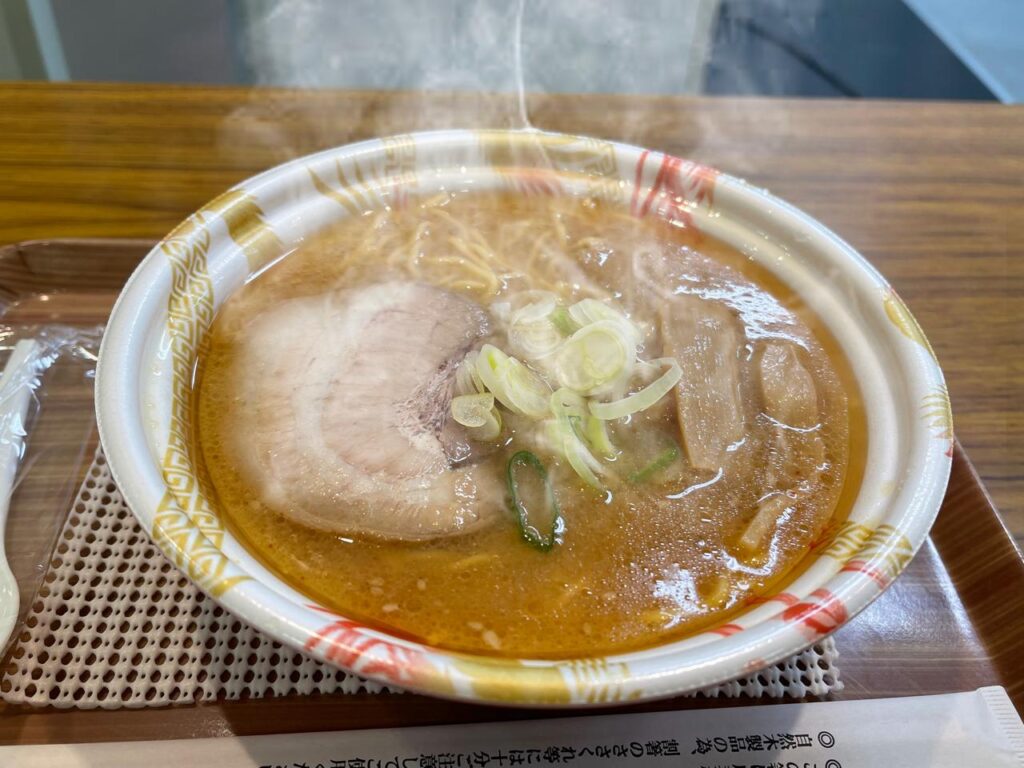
(348, 396)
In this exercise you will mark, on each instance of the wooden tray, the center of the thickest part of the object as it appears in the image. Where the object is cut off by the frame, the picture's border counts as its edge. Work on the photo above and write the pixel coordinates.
(953, 621)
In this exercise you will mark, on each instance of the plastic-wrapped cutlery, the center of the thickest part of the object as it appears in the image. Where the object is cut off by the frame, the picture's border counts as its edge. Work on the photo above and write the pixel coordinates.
(17, 383)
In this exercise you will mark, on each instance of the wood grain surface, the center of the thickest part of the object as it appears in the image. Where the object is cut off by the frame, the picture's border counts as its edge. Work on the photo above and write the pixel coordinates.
(931, 193)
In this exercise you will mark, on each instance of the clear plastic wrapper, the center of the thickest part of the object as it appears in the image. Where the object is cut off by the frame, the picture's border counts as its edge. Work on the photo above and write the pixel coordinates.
(47, 431)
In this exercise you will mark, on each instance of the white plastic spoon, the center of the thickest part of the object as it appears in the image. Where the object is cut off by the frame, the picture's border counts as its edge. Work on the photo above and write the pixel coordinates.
(16, 386)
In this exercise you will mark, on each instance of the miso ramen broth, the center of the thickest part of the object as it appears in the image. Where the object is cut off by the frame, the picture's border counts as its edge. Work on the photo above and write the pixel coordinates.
(526, 426)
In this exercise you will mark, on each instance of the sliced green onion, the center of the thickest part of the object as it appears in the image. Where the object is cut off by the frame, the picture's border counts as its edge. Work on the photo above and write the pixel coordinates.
(467, 380)
(563, 321)
(535, 339)
(478, 414)
(570, 409)
(472, 410)
(580, 459)
(567, 433)
(531, 531)
(527, 391)
(490, 429)
(590, 311)
(490, 367)
(642, 400)
(597, 437)
(661, 461)
(539, 304)
(514, 385)
(565, 402)
(530, 332)
(594, 355)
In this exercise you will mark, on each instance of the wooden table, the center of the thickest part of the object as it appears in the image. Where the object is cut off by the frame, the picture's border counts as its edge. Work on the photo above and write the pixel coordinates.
(933, 194)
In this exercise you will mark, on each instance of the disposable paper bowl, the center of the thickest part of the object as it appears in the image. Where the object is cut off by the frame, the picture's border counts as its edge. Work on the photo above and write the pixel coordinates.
(163, 315)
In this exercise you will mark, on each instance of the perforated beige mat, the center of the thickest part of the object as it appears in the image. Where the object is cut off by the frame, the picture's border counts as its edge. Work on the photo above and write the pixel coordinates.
(115, 625)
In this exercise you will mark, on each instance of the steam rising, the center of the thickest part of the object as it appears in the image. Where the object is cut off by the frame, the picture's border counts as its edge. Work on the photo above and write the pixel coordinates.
(457, 63)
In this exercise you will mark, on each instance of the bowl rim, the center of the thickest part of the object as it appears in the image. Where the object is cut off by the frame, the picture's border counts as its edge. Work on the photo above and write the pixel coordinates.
(657, 672)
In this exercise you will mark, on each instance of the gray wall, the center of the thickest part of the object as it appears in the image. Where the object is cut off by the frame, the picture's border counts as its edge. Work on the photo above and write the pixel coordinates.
(874, 48)
(148, 40)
